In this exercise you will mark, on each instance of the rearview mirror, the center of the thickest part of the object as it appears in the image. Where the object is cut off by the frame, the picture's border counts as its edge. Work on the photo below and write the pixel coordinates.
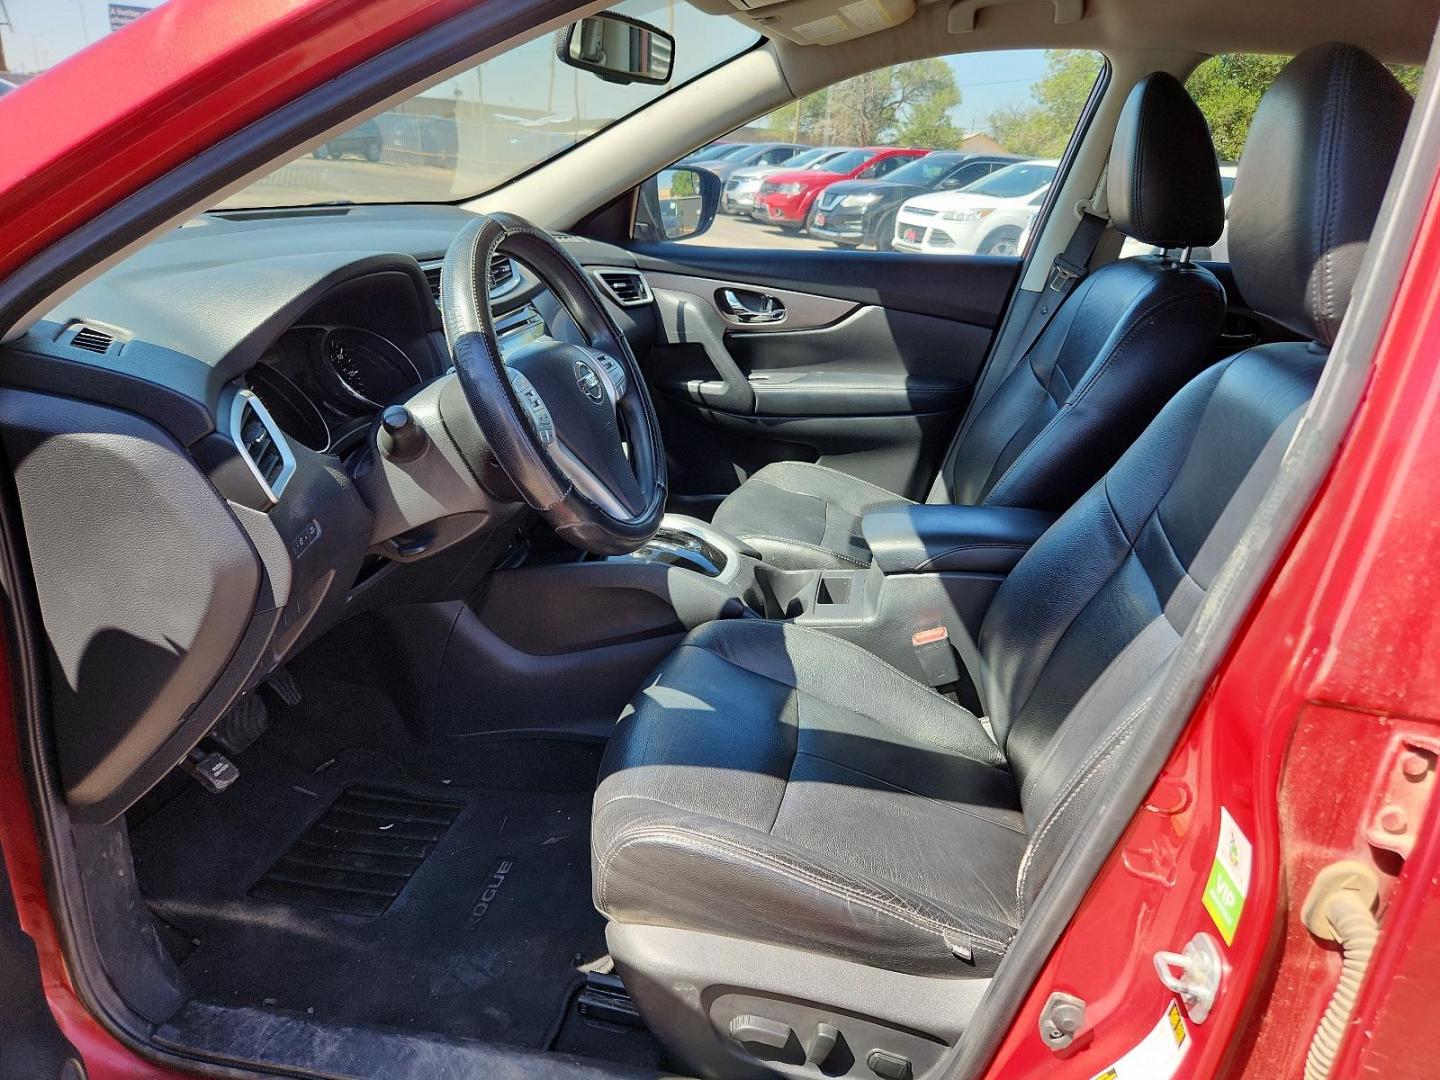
(675, 203)
(618, 49)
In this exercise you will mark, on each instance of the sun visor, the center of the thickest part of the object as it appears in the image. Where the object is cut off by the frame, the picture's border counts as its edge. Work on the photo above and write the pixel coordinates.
(824, 22)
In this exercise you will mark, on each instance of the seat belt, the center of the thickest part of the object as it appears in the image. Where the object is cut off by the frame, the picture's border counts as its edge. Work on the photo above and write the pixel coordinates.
(1069, 269)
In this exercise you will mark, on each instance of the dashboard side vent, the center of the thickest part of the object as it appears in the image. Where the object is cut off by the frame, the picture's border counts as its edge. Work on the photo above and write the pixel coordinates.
(502, 271)
(92, 340)
(500, 276)
(432, 275)
(628, 288)
(261, 443)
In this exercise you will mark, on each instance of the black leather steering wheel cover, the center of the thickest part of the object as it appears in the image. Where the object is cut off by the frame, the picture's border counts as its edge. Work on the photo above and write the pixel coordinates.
(480, 370)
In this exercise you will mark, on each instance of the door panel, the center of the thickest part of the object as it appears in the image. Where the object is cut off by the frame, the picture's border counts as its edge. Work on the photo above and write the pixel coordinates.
(855, 360)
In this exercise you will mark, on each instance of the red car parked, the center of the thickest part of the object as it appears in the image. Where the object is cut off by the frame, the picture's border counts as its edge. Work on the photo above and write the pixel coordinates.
(785, 198)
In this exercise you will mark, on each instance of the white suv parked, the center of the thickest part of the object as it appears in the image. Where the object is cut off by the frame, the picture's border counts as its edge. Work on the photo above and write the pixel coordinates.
(985, 218)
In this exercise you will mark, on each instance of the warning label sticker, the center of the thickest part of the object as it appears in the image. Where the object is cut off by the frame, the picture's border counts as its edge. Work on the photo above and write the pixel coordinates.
(1229, 882)
(1158, 1055)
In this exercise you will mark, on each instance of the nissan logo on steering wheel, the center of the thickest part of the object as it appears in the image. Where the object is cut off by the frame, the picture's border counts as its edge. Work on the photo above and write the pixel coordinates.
(589, 382)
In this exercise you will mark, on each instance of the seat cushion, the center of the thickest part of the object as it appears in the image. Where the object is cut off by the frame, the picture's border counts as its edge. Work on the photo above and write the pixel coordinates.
(778, 784)
(803, 516)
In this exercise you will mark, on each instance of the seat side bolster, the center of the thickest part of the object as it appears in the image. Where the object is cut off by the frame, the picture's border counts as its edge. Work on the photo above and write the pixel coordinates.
(665, 868)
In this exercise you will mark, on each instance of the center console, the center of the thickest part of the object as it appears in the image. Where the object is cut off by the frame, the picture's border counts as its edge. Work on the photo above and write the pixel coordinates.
(918, 605)
(591, 629)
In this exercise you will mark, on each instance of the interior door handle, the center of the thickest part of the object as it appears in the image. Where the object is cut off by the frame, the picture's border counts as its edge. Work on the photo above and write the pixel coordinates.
(751, 307)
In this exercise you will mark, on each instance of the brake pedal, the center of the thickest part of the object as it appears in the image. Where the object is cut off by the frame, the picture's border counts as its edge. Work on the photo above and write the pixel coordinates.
(244, 722)
(212, 770)
(604, 997)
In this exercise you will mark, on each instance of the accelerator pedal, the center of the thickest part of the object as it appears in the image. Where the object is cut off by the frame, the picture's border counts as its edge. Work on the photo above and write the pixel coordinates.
(286, 688)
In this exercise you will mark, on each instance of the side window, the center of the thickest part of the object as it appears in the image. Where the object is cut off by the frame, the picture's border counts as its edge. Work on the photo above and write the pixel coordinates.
(882, 167)
(966, 175)
(1014, 111)
(776, 156)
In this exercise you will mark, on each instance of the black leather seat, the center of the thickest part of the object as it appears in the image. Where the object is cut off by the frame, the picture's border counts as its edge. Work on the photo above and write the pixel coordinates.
(774, 784)
(1120, 346)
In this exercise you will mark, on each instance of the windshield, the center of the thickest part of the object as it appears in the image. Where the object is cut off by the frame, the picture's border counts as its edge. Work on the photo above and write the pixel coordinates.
(736, 153)
(1013, 181)
(926, 170)
(480, 128)
(810, 159)
(713, 152)
(848, 160)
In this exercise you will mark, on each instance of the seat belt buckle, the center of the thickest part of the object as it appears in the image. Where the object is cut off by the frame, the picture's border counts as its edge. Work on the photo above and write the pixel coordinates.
(937, 658)
(1062, 273)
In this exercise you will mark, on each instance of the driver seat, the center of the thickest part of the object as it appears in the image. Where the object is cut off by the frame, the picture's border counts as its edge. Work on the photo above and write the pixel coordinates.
(793, 839)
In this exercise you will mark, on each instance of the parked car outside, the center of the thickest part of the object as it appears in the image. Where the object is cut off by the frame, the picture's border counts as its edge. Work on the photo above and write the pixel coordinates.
(856, 212)
(363, 140)
(760, 154)
(711, 151)
(986, 218)
(784, 200)
(744, 184)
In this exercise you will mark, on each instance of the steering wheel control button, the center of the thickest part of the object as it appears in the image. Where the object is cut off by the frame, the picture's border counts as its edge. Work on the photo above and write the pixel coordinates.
(611, 370)
(889, 1066)
(400, 437)
(536, 412)
(302, 541)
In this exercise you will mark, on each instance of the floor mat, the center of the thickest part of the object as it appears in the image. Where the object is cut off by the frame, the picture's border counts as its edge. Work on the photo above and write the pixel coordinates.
(477, 931)
(361, 852)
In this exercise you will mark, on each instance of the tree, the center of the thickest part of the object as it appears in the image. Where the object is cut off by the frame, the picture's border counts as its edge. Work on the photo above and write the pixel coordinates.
(1227, 88)
(1042, 128)
(908, 103)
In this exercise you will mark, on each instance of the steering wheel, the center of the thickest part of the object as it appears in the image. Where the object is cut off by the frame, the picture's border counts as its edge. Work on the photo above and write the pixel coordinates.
(556, 417)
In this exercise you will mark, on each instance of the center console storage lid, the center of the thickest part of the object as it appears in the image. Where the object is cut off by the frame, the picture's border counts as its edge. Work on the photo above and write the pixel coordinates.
(926, 538)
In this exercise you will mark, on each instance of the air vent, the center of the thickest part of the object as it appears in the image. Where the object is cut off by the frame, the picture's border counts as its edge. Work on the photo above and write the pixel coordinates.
(502, 276)
(92, 340)
(502, 271)
(432, 275)
(626, 287)
(261, 443)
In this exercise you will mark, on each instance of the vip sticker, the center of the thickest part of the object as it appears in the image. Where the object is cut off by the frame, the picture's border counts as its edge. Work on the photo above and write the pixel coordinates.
(1229, 881)
(1158, 1055)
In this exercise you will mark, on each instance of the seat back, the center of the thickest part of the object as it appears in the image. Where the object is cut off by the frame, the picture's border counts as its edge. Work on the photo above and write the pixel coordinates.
(1124, 341)
(1081, 632)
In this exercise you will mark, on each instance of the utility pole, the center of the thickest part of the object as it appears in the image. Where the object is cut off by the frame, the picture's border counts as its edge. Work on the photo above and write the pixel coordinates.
(5, 24)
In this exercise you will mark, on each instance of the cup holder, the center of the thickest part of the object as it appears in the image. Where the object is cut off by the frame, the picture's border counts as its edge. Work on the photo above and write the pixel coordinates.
(782, 594)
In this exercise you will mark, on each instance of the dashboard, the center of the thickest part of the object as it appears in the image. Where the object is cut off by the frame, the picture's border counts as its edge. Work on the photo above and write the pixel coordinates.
(188, 433)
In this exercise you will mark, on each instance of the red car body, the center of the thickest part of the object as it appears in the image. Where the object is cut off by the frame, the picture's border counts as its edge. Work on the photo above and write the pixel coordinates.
(1333, 666)
(790, 209)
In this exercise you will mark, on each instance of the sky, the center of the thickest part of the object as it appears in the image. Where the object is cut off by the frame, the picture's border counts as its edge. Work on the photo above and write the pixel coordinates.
(42, 32)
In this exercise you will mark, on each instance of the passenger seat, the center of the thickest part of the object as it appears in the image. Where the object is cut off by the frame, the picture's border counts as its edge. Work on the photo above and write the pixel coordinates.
(1120, 346)
(783, 818)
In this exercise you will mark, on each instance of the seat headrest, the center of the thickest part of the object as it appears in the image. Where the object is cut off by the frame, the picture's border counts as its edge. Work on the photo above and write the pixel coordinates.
(1163, 185)
(1315, 168)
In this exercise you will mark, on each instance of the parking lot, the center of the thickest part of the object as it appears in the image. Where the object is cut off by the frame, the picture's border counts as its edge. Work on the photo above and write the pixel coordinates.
(742, 232)
(307, 179)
